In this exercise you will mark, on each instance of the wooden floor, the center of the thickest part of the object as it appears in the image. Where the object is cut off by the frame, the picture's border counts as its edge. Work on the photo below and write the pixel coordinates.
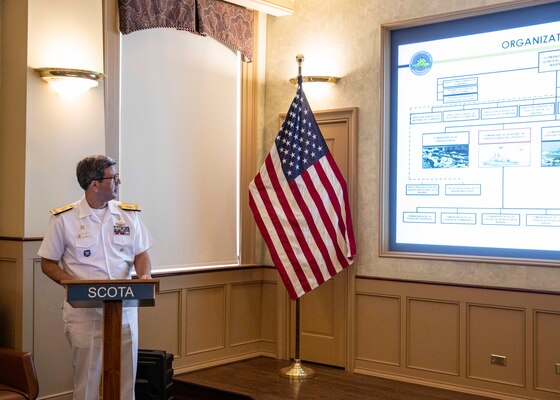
(259, 379)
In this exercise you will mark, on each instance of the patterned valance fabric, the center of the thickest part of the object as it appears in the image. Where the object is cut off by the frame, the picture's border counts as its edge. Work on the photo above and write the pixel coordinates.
(226, 22)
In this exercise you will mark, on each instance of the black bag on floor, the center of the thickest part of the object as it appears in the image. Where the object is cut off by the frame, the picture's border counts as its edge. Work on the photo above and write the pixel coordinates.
(154, 376)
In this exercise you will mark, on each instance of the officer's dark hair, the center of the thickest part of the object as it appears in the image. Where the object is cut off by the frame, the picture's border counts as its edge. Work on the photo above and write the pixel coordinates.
(91, 169)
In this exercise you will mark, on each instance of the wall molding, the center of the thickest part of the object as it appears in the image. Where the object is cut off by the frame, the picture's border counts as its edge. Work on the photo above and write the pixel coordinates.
(20, 239)
(460, 285)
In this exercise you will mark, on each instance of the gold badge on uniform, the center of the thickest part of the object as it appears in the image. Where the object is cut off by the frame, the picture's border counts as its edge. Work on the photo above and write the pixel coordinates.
(130, 207)
(60, 210)
(83, 233)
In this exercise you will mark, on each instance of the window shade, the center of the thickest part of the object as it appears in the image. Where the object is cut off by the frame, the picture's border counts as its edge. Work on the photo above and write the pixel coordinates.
(179, 144)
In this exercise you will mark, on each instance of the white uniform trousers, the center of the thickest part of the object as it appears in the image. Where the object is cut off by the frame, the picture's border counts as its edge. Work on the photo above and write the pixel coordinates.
(84, 331)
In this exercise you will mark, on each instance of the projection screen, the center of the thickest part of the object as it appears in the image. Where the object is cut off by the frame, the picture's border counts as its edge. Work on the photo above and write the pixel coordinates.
(474, 144)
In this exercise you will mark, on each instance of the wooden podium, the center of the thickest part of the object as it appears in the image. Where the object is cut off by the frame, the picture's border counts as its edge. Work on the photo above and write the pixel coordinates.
(112, 295)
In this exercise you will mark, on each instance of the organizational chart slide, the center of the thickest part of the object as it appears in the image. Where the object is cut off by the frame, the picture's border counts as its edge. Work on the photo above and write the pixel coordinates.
(478, 140)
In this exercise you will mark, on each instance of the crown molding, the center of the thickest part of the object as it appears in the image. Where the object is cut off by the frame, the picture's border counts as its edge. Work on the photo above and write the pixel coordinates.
(278, 8)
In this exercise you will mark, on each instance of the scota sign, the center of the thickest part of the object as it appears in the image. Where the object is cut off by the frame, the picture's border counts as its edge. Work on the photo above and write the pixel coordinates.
(131, 292)
(111, 292)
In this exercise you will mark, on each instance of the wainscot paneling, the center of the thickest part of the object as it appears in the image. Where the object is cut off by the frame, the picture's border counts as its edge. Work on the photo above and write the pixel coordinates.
(501, 343)
(213, 317)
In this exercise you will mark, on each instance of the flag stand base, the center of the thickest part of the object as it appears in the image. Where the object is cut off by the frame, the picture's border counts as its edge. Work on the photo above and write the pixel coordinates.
(297, 372)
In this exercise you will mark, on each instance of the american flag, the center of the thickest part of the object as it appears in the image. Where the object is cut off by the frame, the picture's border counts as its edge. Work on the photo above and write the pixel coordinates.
(300, 203)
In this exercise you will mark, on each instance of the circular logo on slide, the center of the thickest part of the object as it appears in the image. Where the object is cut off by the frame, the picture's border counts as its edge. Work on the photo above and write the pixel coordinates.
(421, 63)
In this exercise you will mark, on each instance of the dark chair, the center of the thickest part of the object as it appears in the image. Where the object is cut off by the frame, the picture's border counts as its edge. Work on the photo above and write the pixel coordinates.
(18, 378)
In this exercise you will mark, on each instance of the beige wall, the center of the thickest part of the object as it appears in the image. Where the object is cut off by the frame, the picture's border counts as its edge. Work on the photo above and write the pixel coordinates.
(42, 135)
(345, 37)
(61, 33)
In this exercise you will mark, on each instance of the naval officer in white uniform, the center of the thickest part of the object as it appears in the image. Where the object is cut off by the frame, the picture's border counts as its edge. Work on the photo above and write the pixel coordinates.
(97, 237)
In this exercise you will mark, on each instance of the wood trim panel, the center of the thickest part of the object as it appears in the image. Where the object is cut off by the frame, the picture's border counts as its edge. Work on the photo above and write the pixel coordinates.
(433, 335)
(111, 82)
(244, 304)
(546, 330)
(205, 316)
(13, 115)
(248, 157)
(269, 305)
(8, 301)
(168, 314)
(486, 334)
(20, 239)
(372, 327)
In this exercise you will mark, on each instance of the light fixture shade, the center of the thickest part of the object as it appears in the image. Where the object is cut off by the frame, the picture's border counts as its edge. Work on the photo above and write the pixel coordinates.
(70, 82)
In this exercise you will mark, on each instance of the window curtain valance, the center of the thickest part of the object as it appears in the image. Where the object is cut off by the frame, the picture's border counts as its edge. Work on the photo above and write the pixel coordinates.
(226, 22)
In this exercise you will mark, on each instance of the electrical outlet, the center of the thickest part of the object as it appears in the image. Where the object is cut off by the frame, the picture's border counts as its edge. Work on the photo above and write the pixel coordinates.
(496, 359)
(557, 368)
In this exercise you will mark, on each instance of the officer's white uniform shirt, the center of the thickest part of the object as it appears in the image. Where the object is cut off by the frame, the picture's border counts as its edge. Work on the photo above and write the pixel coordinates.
(92, 248)
(89, 248)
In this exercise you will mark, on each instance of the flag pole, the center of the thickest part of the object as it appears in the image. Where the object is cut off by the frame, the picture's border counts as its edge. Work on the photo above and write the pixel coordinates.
(296, 371)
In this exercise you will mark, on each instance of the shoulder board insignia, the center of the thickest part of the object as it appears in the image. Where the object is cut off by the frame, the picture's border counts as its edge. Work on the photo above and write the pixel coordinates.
(130, 207)
(60, 210)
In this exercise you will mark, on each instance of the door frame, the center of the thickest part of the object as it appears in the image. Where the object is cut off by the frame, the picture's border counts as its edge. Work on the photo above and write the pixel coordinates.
(286, 309)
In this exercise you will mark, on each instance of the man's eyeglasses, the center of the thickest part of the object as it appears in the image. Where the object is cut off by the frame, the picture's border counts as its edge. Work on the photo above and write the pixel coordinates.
(115, 178)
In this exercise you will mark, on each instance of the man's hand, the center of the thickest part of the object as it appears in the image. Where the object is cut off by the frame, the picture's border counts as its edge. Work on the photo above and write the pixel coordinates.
(143, 265)
(53, 271)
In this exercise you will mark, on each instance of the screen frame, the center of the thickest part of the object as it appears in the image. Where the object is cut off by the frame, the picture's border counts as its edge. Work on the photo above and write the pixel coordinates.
(478, 20)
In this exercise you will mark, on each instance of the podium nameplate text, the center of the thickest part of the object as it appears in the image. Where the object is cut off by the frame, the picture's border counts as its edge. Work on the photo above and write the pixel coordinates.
(92, 294)
(112, 295)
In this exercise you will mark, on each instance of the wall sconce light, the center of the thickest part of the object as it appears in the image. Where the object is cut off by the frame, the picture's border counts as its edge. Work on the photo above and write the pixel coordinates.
(316, 85)
(70, 82)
